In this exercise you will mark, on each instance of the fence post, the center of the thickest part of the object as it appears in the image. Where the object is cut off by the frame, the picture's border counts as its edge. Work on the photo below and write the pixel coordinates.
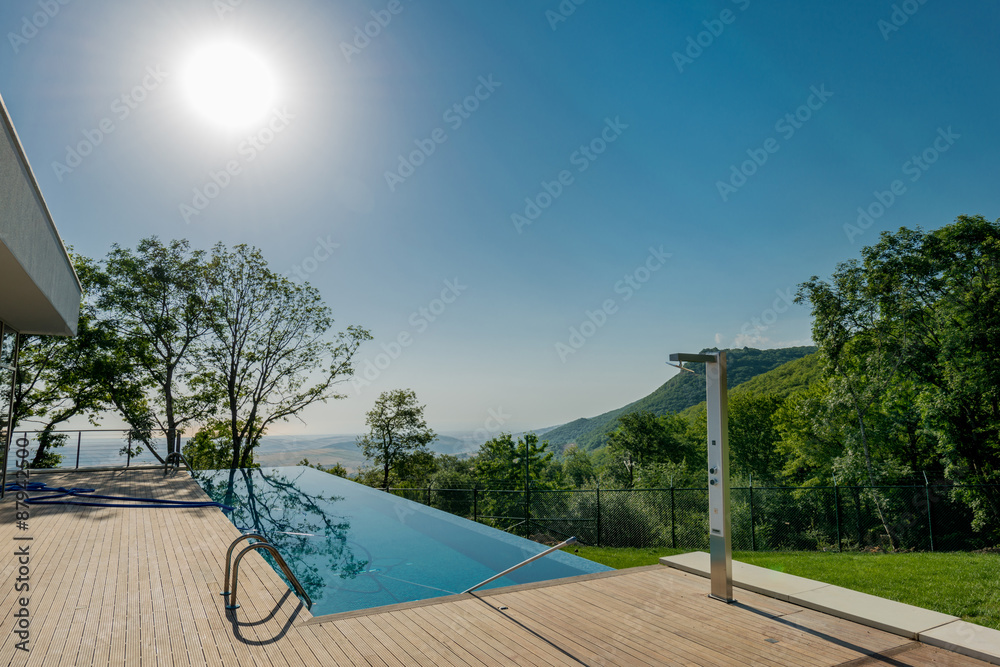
(857, 509)
(836, 509)
(527, 510)
(598, 515)
(930, 524)
(753, 529)
(475, 502)
(128, 460)
(79, 435)
(673, 524)
(428, 496)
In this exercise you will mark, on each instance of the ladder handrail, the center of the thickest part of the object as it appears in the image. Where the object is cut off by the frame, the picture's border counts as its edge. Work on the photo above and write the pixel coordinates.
(177, 466)
(229, 555)
(281, 561)
(571, 540)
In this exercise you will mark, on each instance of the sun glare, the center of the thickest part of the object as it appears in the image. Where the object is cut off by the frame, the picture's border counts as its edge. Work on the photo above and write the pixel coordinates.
(229, 84)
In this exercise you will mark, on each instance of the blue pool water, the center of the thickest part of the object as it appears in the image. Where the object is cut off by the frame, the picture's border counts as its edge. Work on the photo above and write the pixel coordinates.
(354, 547)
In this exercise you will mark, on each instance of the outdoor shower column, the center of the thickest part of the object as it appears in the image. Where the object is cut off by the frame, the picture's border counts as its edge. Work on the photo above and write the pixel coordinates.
(719, 524)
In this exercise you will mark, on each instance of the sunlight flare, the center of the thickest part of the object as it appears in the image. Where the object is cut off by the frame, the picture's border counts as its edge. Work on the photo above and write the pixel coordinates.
(229, 84)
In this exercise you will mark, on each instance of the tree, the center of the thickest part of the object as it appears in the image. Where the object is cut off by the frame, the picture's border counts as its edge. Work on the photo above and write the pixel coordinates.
(503, 463)
(911, 337)
(811, 435)
(578, 467)
(753, 435)
(269, 355)
(398, 431)
(157, 301)
(59, 378)
(211, 448)
(643, 438)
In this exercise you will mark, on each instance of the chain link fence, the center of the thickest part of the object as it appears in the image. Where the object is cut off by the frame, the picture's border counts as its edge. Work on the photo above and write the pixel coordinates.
(929, 517)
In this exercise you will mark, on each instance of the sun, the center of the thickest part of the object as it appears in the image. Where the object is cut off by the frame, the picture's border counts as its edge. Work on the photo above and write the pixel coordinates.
(229, 84)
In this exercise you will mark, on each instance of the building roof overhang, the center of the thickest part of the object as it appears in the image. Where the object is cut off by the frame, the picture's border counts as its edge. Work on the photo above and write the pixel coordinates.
(39, 290)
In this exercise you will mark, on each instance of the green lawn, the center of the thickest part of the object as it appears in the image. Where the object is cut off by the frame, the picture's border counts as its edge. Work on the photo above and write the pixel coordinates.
(961, 584)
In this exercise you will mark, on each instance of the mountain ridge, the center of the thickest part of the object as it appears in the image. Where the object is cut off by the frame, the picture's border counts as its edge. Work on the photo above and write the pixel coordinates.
(682, 391)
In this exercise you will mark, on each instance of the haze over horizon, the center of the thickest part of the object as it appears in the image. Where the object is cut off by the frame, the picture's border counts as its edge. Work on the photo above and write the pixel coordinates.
(530, 207)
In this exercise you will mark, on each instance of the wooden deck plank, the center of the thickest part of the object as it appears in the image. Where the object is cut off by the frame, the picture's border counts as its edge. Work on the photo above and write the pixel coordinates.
(749, 641)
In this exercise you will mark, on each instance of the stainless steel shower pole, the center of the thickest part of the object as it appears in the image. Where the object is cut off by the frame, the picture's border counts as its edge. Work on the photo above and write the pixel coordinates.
(719, 524)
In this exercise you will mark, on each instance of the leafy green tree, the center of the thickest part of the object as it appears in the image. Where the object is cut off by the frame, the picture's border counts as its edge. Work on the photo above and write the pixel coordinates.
(503, 463)
(811, 435)
(269, 354)
(911, 336)
(398, 432)
(156, 299)
(452, 472)
(578, 467)
(643, 438)
(61, 378)
(211, 448)
(753, 436)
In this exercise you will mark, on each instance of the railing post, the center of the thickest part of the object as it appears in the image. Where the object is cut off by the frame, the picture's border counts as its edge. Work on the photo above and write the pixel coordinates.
(673, 523)
(79, 436)
(930, 524)
(428, 496)
(598, 515)
(836, 509)
(753, 530)
(475, 502)
(128, 460)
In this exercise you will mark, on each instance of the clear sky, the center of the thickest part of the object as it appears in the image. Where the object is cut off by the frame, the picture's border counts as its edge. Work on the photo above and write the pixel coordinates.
(542, 199)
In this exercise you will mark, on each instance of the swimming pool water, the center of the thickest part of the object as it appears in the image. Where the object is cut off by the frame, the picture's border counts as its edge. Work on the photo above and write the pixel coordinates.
(355, 547)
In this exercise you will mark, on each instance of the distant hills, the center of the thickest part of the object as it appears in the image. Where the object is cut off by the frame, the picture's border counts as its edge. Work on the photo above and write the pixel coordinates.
(326, 450)
(786, 369)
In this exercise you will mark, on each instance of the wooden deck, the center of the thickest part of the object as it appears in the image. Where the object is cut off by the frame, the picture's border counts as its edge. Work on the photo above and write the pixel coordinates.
(141, 587)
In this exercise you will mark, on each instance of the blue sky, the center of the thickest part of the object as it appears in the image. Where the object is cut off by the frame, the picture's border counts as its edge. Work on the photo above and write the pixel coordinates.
(690, 164)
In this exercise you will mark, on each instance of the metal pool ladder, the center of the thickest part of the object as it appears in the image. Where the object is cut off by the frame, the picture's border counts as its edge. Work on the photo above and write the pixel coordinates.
(178, 458)
(568, 542)
(235, 564)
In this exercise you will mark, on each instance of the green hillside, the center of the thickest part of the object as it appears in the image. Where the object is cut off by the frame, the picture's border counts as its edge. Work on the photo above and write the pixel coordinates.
(679, 392)
(782, 381)
(786, 379)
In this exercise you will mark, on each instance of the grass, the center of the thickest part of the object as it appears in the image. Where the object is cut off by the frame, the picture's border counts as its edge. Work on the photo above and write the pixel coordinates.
(960, 584)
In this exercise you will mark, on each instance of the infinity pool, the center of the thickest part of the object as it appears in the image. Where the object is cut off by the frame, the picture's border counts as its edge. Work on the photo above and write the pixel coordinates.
(354, 547)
